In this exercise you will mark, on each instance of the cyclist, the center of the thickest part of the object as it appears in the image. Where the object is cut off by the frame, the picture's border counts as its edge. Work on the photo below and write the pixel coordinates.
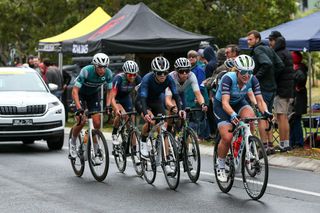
(121, 101)
(230, 102)
(85, 92)
(150, 99)
(183, 78)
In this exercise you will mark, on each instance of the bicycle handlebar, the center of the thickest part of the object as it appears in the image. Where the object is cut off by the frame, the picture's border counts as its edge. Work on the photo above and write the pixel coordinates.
(163, 117)
(88, 114)
(249, 119)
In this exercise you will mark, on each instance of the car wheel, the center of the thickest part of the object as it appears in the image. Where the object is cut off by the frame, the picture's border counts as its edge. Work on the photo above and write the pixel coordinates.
(28, 141)
(56, 143)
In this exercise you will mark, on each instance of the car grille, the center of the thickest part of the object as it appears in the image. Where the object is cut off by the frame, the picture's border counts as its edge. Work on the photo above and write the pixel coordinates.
(27, 110)
(34, 126)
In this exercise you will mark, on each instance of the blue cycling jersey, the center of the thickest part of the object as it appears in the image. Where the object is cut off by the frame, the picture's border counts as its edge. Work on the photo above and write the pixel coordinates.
(229, 86)
(151, 89)
(89, 82)
(123, 86)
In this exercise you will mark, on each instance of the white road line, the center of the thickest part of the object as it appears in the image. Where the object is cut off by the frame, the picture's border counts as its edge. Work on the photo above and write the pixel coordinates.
(276, 186)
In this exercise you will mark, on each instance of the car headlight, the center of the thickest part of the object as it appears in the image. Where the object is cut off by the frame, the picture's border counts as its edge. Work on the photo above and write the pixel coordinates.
(53, 104)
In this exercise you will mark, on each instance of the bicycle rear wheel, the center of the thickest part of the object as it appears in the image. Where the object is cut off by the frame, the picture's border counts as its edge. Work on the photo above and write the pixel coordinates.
(255, 170)
(149, 166)
(192, 155)
(119, 152)
(135, 151)
(78, 162)
(172, 160)
(98, 156)
(229, 168)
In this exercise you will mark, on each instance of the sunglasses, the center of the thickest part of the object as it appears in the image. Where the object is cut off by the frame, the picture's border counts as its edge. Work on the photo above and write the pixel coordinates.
(243, 72)
(102, 67)
(131, 75)
(162, 73)
(183, 71)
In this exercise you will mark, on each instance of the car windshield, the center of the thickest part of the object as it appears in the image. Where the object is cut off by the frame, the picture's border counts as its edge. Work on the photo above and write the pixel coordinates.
(21, 81)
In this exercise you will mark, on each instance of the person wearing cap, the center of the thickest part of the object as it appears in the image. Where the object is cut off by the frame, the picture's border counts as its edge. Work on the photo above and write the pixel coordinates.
(284, 93)
(265, 68)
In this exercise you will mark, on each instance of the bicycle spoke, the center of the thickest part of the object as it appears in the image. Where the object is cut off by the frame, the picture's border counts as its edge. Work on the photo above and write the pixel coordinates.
(78, 162)
(192, 156)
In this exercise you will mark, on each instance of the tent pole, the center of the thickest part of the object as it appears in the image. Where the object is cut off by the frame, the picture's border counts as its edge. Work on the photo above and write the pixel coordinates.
(60, 61)
(310, 108)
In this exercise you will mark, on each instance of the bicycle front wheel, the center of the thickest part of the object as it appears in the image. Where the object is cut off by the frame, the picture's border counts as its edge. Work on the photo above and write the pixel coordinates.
(149, 166)
(229, 168)
(98, 156)
(255, 169)
(119, 153)
(192, 160)
(171, 164)
(78, 162)
(135, 151)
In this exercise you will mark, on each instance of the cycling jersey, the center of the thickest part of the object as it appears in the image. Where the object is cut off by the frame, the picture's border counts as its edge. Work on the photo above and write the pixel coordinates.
(181, 87)
(122, 86)
(89, 82)
(229, 86)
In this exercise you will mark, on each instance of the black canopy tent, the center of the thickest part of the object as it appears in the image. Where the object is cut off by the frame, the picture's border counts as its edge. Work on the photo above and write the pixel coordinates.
(135, 29)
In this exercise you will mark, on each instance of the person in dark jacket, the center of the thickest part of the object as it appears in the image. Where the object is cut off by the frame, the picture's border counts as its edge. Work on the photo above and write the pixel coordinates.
(267, 64)
(211, 58)
(300, 100)
(284, 94)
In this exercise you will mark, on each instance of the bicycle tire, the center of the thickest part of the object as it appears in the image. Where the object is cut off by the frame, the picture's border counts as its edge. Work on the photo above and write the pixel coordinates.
(255, 187)
(149, 166)
(135, 155)
(103, 156)
(77, 163)
(174, 178)
(193, 156)
(119, 153)
(230, 171)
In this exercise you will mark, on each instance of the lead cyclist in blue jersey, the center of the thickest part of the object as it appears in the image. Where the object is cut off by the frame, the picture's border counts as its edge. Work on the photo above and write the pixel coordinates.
(230, 102)
(85, 92)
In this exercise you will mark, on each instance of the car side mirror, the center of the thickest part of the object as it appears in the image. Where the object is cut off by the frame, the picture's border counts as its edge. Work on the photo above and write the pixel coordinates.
(52, 87)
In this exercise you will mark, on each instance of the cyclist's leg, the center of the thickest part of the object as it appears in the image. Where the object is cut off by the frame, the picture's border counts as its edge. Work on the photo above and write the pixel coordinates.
(116, 123)
(245, 110)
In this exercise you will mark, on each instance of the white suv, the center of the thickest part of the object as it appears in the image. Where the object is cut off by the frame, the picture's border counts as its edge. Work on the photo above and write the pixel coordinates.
(28, 111)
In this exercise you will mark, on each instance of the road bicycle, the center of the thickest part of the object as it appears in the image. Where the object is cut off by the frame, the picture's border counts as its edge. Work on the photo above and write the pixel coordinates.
(161, 154)
(251, 159)
(188, 147)
(91, 145)
(129, 136)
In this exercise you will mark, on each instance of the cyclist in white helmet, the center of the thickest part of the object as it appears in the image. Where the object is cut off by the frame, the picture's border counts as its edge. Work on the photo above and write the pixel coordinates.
(86, 93)
(230, 102)
(123, 84)
(183, 78)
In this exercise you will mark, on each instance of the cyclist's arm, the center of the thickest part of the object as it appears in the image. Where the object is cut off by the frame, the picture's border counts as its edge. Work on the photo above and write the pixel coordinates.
(226, 106)
(175, 95)
(258, 96)
(75, 97)
(199, 97)
(252, 98)
(168, 100)
(261, 104)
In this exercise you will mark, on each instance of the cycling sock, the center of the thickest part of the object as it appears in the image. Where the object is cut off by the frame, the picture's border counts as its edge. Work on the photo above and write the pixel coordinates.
(286, 143)
(265, 144)
(114, 130)
(73, 140)
(221, 162)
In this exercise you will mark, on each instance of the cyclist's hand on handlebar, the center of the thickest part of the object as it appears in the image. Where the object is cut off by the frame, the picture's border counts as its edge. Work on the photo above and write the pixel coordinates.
(118, 112)
(79, 112)
(268, 115)
(148, 118)
(174, 109)
(182, 114)
(234, 119)
(204, 107)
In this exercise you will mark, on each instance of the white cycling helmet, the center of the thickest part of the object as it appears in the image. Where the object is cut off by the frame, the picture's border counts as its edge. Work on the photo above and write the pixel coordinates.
(229, 63)
(244, 62)
(160, 64)
(182, 64)
(101, 59)
(130, 67)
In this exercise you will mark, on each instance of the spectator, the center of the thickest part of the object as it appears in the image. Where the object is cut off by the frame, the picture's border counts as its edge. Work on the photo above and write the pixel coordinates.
(300, 100)
(30, 61)
(284, 94)
(42, 71)
(54, 76)
(210, 57)
(267, 63)
(232, 51)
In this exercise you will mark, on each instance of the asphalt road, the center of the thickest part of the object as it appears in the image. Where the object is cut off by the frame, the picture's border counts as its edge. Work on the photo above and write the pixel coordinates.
(34, 179)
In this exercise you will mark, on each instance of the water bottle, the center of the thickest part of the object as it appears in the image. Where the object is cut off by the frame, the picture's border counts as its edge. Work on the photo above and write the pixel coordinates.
(236, 145)
(85, 143)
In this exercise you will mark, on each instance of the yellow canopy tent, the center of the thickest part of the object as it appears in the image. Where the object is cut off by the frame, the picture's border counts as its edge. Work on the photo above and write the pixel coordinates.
(87, 25)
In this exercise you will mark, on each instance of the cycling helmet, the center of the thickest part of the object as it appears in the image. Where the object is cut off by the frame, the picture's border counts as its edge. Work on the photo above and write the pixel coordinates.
(244, 62)
(160, 64)
(100, 59)
(130, 67)
(182, 64)
(229, 63)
